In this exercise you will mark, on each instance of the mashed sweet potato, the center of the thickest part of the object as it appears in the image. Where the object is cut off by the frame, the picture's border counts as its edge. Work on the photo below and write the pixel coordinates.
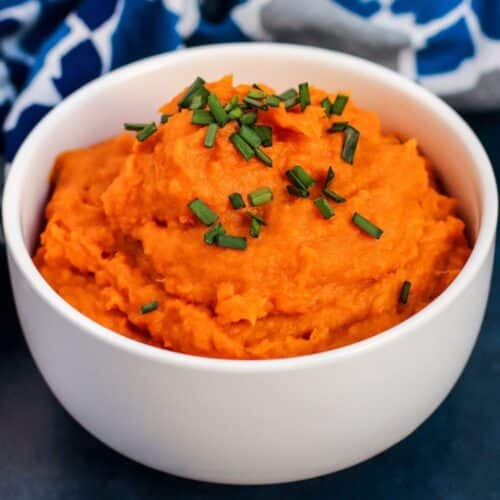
(120, 234)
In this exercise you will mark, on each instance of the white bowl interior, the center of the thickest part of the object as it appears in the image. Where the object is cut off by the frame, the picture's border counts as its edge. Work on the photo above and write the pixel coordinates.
(136, 92)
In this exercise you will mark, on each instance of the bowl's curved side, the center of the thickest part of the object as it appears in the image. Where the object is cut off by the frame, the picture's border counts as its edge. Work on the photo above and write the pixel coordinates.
(252, 428)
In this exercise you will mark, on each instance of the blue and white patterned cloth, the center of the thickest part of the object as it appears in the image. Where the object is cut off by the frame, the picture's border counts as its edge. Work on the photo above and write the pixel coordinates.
(49, 48)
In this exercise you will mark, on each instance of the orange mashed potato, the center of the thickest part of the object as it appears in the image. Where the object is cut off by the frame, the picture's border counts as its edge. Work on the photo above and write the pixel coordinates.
(119, 234)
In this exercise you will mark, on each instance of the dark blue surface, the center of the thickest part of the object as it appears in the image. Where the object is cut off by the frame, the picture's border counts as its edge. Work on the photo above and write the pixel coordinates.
(455, 455)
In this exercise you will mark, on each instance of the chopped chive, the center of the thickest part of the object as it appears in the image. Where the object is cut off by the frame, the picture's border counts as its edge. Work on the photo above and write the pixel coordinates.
(329, 177)
(305, 98)
(288, 94)
(327, 106)
(255, 103)
(250, 136)
(197, 102)
(248, 118)
(405, 292)
(338, 127)
(256, 94)
(235, 113)
(217, 110)
(237, 201)
(164, 117)
(265, 132)
(290, 103)
(367, 226)
(351, 137)
(324, 207)
(267, 160)
(186, 98)
(203, 212)
(254, 228)
(242, 146)
(231, 104)
(211, 134)
(300, 177)
(258, 218)
(149, 307)
(260, 196)
(273, 101)
(210, 236)
(147, 131)
(134, 126)
(201, 117)
(334, 196)
(199, 99)
(228, 241)
(296, 191)
(339, 104)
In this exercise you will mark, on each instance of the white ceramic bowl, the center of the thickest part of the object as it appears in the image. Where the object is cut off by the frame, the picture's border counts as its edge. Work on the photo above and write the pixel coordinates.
(251, 421)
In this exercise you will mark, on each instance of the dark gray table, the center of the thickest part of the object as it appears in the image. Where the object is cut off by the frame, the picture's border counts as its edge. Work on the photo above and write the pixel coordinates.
(455, 455)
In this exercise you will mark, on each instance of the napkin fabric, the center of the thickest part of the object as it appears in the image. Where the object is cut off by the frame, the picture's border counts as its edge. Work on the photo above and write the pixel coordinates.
(49, 48)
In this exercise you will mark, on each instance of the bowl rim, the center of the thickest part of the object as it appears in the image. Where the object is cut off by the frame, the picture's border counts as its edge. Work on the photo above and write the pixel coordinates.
(19, 253)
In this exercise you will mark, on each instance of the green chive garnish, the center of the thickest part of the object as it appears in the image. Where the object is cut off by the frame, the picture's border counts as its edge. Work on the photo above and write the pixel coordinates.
(186, 98)
(199, 99)
(255, 103)
(351, 137)
(255, 222)
(273, 101)
(405, 292)
(300, 177)
(334, 196)
(237, 201)
(339, 104)
(305, 98)
(149, 307)
(231, 104)
(134, 126)
(201, 117)
(267, 160)
(260, 196)
(242, 146)
(265, 133)
(296, 191)
(290, 103)
(327, 106)
(210, 236)
(258, 218)
(197, 102)
(203, 212)
(147, 131)
(329, 177)
(235, 113)
(221, 117)
(250, 136)
(367, 226)
(211, 134)
(256, 94)
(248, 118)
(228, 241)
(164, 117)
(338, 127)
(288, 94)
(324, 207)
(254, 228)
